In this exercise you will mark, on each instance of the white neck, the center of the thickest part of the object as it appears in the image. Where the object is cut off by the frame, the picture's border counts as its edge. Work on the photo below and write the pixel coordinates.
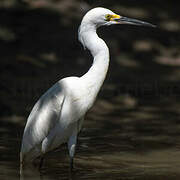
(94, 78)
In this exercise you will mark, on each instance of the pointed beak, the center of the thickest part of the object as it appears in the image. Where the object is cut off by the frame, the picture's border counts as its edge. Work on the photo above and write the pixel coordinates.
(125, 20)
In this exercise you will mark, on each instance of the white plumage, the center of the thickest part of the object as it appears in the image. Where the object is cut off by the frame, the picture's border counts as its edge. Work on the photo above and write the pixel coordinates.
(58, 115)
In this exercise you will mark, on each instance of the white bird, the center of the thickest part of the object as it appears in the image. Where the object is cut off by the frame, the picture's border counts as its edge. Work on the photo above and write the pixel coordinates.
(58, 115)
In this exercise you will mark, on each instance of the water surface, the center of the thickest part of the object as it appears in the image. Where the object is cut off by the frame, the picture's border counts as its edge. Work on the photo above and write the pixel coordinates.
(129, 144)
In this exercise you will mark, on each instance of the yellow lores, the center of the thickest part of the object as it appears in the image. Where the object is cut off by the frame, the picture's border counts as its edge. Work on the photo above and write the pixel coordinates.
(110, 17)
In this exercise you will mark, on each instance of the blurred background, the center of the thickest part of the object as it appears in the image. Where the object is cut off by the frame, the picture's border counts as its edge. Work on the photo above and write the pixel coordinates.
(133, 130)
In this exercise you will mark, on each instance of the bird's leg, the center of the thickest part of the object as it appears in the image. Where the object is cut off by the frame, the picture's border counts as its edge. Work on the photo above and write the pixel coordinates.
(71, 163)
(80, 122)
(21, 164)
(72, 147)
(21, 169)
(41, 162)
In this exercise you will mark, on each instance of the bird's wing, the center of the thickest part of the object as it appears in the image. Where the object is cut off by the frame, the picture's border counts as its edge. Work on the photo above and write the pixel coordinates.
(43, 117)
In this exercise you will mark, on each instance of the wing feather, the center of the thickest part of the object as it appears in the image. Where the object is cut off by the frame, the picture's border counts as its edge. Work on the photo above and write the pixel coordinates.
(43, 117)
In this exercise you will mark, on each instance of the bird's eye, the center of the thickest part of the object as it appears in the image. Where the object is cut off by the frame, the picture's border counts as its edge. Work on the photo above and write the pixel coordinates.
(108, 17)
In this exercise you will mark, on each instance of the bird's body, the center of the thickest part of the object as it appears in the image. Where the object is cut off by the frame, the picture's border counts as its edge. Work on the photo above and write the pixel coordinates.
(58, 115)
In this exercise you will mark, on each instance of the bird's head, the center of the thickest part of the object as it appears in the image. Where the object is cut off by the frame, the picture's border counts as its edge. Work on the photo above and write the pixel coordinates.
(101, 16)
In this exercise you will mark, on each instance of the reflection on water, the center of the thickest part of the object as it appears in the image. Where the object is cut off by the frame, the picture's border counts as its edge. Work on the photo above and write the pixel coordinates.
(136, 147)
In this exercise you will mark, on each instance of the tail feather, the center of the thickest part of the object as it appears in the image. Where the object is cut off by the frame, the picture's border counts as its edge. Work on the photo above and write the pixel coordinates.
(30, 156)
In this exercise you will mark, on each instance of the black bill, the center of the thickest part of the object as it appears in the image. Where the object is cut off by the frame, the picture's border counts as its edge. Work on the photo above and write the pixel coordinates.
(125, 20)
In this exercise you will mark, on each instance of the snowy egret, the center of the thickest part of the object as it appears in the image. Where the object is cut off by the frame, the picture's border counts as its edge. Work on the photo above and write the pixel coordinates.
(58, 115)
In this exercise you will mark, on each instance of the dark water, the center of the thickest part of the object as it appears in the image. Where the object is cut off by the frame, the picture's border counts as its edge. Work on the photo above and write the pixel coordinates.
(131, 136)
(140, 145)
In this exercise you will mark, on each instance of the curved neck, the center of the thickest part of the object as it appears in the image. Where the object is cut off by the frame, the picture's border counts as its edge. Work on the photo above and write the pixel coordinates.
(100, 52)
